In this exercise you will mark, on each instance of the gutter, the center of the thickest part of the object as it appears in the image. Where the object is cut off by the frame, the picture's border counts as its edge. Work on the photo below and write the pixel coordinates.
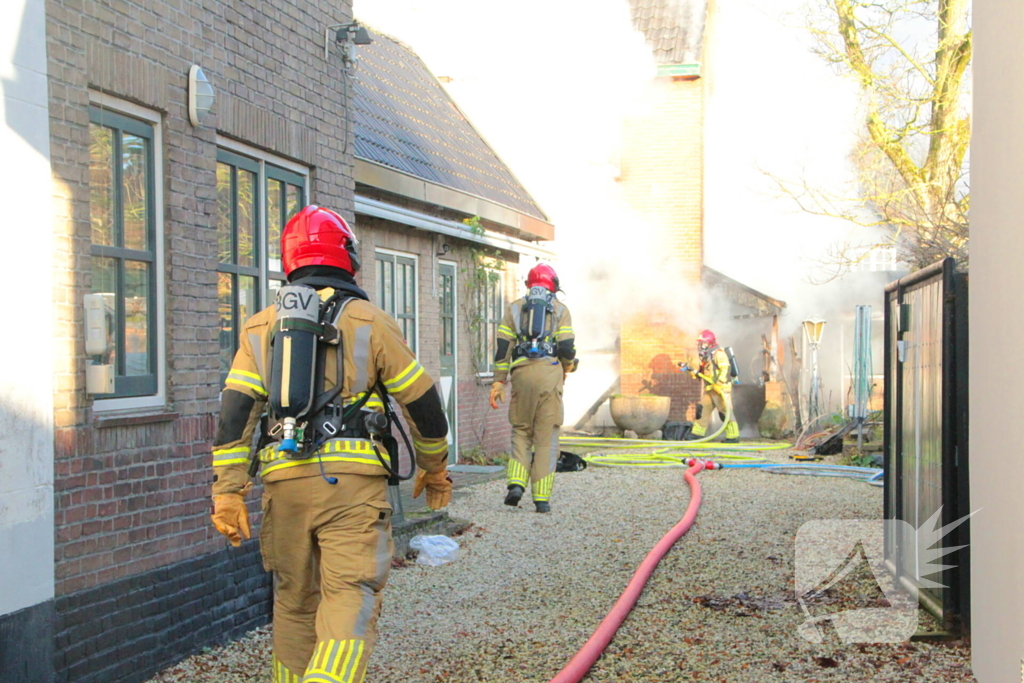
(443, 226)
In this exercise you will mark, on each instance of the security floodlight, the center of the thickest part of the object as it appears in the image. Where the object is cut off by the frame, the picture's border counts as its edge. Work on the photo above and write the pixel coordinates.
(362, 36)
(200, 95)
(348, 36)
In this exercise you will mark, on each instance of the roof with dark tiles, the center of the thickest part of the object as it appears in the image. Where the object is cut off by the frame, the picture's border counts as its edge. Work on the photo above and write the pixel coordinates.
(405, 120)
(674, 29)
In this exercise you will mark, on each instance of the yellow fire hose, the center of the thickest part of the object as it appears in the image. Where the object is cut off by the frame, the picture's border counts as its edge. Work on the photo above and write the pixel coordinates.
(667, 453)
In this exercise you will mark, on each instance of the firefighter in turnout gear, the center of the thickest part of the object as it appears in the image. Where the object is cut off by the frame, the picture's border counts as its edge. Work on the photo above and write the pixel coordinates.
(326, 531)
(536, 346)
(717, 373)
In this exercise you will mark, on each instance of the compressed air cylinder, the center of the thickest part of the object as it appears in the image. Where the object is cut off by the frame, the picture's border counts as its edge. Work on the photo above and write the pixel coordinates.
(293, 364)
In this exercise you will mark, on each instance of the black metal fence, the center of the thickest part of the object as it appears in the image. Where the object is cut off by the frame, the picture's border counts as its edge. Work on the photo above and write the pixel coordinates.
(926, 420)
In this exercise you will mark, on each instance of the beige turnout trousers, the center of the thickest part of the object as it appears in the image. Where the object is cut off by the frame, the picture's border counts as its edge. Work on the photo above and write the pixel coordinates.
(330, 550)
(712, 400)
(535, 412)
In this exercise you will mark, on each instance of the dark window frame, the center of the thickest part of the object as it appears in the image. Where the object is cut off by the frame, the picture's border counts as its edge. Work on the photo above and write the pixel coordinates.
(265, 172)
(131, 386)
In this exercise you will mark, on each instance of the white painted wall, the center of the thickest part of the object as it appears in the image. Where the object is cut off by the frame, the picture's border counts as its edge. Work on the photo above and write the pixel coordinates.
(997, 340)
(26, 349)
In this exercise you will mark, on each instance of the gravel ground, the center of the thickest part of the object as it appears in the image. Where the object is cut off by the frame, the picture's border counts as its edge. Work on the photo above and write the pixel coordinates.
(529, 589)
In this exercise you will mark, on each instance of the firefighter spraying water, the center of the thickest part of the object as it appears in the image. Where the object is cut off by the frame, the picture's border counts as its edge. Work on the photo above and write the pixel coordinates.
(718, 371)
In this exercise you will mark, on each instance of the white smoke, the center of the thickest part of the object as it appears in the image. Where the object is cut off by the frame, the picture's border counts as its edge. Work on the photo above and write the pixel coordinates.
(551, 83)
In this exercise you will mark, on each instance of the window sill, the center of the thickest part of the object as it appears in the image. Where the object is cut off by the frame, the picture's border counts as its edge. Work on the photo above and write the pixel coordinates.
(131, 419)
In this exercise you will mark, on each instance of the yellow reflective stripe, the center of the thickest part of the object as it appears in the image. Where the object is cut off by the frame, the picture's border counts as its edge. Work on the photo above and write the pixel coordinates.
(347, 446)
(400, 377)
(505, 329)
(542, 489)
(282, 464)
(355, 662)
(372, 402)
(318, 655)
(244, 383)
(408, 381)
(357, 446)
(517, 474)
(564, 329)
(226, 451)
(230, 461)
(357, 451)
(244, 373)
(223, 456)
(335, 656)
(282, 674)
(427, 449)
(501, 366)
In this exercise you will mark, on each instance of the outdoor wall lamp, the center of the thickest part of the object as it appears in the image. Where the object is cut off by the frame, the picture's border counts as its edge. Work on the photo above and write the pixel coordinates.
(443, 249)
(348, 36)
(200, 95)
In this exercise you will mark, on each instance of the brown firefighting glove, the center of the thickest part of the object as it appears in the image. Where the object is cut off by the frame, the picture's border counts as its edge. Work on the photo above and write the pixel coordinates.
(497, 394)
(438, 486)
(568, 367)
(230, 515)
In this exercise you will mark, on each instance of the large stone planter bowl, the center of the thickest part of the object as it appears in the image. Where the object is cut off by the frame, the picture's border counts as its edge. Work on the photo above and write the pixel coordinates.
(643, 414)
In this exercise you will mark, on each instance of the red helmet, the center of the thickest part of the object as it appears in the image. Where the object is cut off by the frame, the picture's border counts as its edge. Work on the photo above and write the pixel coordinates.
(707, 338)
(542, 275)
(318, 237)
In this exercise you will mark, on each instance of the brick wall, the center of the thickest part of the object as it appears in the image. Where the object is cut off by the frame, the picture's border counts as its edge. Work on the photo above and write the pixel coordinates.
(478, 424)
(128, 629)
(663, 179)
(132, 490)
(114, 476)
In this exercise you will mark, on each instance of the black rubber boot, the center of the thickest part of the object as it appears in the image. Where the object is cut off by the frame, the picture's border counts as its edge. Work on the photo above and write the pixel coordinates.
(515, 492)
(690, 436)
(730, 440)
(542, 506)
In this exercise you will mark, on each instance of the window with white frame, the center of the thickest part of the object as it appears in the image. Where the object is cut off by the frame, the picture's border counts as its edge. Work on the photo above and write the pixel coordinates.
(255, 199)
(396, 292)
(125, 249)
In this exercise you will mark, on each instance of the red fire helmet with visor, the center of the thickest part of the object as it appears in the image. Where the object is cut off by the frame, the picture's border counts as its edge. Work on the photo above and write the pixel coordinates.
(706, 340)
(542, 275)
(316, 236)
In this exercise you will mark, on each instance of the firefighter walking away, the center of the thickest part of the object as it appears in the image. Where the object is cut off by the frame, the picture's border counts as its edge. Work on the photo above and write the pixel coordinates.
(536, 347)
(323, 361)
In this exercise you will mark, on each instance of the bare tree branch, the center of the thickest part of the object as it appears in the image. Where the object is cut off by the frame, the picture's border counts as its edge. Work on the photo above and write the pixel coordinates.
(911, 60)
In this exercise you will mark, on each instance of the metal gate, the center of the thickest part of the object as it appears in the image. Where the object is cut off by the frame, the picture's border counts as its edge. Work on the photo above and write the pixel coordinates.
(926, 430)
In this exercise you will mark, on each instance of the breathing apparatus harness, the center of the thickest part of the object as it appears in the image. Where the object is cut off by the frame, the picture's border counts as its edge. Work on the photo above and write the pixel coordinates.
(535, 325)
(302, 415)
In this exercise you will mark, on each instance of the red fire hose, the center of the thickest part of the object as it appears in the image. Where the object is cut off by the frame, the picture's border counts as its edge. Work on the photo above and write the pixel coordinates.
(578, 667)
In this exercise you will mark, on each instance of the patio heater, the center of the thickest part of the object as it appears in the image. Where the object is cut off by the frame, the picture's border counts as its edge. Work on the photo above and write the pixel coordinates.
(813, 329)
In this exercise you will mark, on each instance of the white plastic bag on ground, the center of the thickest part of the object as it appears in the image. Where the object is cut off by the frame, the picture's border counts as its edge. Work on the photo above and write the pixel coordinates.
(434, 550)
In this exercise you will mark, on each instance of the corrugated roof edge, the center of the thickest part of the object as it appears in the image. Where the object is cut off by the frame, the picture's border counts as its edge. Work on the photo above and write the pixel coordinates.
(541, 214)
